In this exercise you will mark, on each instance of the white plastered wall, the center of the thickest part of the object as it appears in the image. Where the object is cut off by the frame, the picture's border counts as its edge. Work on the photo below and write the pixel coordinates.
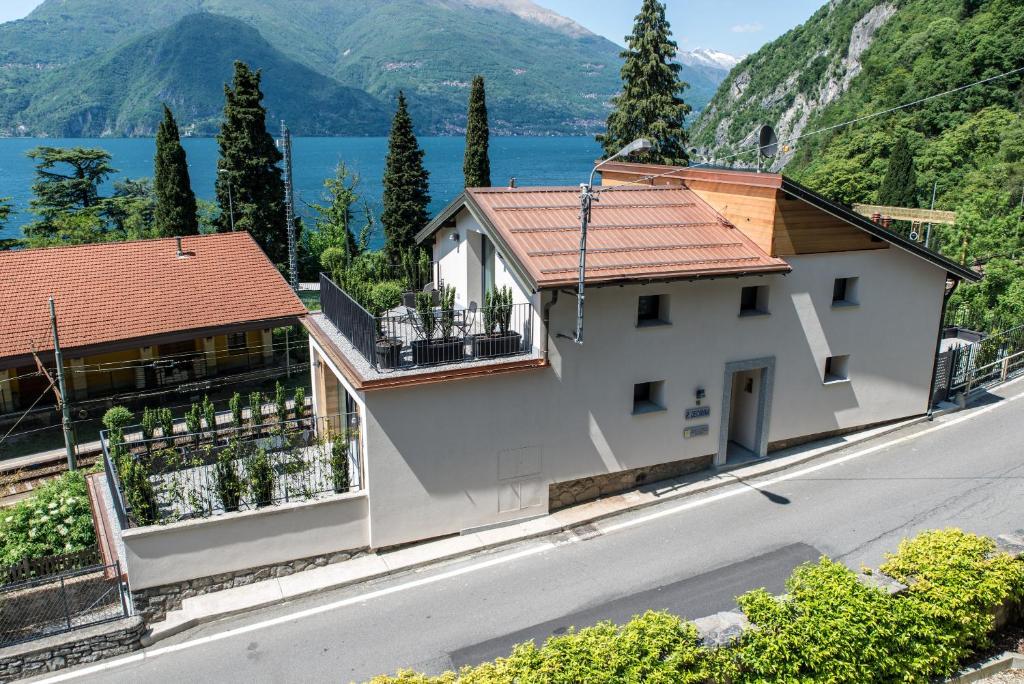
(451, 456)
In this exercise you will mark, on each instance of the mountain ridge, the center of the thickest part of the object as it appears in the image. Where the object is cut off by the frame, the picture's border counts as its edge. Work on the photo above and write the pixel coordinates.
(546, 74)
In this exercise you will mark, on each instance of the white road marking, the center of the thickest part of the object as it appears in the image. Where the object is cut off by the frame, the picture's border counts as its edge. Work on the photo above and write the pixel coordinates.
(524, 553)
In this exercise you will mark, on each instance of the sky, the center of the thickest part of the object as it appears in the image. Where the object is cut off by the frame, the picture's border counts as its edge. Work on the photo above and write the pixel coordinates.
(738, 27)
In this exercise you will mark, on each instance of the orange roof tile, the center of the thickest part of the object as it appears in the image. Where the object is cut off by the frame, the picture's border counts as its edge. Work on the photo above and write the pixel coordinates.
(111, 292)
(634, 234)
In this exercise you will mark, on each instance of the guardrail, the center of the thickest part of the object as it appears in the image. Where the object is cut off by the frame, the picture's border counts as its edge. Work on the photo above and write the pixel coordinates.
(990, 374)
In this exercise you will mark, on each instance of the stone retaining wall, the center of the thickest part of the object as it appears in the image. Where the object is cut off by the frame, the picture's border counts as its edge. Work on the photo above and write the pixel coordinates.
(72, 648)
(153, 603)
(572, 492)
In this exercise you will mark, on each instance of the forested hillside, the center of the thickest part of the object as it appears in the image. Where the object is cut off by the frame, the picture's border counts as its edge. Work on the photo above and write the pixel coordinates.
(854, 58)
(121, 92)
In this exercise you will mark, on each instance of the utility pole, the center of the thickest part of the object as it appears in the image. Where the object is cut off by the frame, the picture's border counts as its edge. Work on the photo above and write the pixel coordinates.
(64, 408)
(928, 234)
(289, 208)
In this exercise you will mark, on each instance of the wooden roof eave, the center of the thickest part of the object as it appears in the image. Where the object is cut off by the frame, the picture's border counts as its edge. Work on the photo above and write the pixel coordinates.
(953, 269)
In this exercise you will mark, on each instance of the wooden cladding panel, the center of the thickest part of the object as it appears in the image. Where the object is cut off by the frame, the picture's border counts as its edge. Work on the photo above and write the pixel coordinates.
(801, 228)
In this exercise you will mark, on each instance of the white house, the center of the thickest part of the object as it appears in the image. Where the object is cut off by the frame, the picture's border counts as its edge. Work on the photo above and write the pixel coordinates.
(727, 314)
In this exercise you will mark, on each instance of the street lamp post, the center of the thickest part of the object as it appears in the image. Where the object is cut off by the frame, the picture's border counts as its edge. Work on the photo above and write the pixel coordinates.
(231, 201)
(586, 199)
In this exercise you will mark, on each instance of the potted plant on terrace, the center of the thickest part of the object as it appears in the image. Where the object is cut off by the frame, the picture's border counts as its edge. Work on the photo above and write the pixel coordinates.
(447, 348)
(382, 297)
(498, 338)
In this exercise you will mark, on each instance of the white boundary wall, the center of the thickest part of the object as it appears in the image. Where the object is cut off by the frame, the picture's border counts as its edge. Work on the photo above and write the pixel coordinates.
(164, 554)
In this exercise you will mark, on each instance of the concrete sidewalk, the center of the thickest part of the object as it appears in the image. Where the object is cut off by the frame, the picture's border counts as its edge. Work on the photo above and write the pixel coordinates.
(208, 607)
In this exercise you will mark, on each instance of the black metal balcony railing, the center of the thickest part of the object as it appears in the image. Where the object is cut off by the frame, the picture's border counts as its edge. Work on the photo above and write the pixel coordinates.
(407, 338)
(200, 474)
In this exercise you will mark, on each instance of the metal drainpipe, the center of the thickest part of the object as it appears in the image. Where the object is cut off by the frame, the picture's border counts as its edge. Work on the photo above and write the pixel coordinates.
(547, 324)
(938, 346)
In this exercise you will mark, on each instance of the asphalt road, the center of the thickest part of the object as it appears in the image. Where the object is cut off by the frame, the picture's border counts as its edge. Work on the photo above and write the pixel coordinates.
(690, 556)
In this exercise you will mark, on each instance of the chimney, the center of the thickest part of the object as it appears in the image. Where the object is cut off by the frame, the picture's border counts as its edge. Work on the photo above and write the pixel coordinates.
(886, 221)
(180, 252)
(876, 218)
(512, 183)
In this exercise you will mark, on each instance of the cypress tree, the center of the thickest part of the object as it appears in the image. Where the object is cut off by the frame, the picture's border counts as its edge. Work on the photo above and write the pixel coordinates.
(899, 185)
(175, 212)
(476, 165)
(406, 191)
(650, 105)
(249, 165)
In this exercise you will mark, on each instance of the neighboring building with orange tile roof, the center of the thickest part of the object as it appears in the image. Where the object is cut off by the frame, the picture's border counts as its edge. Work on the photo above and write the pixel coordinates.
(727, 314)
(139, 314)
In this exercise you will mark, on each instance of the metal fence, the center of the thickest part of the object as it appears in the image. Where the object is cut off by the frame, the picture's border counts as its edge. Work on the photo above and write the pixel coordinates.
(201, 474)
(28, 568)
(351, 320)
(980, 360)
(410, 338)
(54, 604)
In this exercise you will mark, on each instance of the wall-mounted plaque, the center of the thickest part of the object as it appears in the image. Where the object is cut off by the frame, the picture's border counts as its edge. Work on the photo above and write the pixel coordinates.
(698, 412)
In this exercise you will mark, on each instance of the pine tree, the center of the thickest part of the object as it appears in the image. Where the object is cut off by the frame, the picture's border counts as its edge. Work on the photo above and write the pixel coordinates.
(899, 186)
(476, 165)
(66, 194)
(249, 166)
(175, 212)
(406, 190)
(650, 105)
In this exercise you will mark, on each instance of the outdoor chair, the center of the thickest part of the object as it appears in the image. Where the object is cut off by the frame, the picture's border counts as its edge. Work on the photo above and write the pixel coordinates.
(467, 320)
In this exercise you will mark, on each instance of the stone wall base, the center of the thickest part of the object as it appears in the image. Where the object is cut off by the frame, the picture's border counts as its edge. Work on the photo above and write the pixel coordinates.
(153, 603)
(571, 492)
(80, 646)
(804, 439)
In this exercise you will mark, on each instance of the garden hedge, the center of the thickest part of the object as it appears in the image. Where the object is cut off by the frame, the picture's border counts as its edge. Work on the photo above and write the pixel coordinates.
(829, 627)
(54, 521)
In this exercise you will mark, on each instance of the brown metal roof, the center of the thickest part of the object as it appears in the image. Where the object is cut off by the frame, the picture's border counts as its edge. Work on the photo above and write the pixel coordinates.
(634, 234)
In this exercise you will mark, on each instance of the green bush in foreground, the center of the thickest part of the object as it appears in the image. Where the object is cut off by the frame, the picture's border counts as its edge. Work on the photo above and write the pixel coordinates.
(828, 628)
(956, 582)
(53, 521)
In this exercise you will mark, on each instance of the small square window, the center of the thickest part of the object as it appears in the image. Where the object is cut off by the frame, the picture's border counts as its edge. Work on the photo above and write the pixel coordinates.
(754, 300)
(836, 368)
(648, 397)
(844, 292)
(652, 310)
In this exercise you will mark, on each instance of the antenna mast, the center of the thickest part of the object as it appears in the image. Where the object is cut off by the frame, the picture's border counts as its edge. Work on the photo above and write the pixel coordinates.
(289, 208)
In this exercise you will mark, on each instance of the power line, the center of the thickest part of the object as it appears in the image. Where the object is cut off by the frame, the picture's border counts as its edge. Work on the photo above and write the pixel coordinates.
(27, 411)
(826, 129)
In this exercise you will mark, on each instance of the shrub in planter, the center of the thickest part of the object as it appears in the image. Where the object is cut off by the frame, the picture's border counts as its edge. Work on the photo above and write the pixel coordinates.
(229, 485)
(138, 490)
(340, 475)
(235, 404)
(210, 416)
(261, 478)
(255, 409)
(149, 422)
(194, 421)
(498, 338)
(445, 349)
(166, 420)
(300, 402)
(117, 417)
(280, 402)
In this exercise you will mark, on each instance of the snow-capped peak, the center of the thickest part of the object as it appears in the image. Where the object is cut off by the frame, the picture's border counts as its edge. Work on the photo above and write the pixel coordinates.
(708, 57)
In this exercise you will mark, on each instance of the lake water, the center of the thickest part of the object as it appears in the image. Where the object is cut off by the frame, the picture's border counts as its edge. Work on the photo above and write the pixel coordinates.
(533, 161)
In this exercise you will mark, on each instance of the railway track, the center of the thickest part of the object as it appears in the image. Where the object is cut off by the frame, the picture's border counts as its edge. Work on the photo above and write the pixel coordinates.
(16, 485)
